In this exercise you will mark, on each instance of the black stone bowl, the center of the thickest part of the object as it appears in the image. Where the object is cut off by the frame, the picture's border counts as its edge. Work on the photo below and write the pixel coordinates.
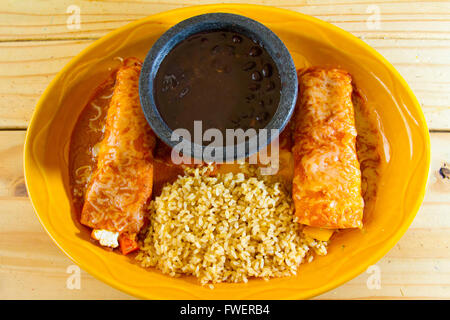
(227, 22)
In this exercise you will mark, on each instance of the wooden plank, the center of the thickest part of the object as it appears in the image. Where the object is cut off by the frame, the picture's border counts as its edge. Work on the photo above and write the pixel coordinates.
(26, 69)
(29, 19)
(12, 182)
(31, 65)
(419, 56)
(32, 267)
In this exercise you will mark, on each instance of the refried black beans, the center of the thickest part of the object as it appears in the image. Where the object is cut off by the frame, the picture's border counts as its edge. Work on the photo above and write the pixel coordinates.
(224, 79)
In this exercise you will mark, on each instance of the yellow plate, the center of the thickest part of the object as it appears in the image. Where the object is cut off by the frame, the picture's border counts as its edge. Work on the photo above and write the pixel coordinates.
(309, 40)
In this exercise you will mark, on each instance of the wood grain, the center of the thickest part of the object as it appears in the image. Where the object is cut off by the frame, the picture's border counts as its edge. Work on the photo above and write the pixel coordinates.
(28, 19)
(31, 65)
(32, 267)
(414, 36)
(26, 68)
(12, 182)
(35, 43)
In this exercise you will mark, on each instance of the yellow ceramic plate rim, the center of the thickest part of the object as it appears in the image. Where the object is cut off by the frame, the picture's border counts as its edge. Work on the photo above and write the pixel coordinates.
(340, 280)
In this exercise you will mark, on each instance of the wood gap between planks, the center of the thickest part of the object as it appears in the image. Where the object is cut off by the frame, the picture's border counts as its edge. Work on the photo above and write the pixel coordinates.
(55, 39)
(362, 37)
(25, 129)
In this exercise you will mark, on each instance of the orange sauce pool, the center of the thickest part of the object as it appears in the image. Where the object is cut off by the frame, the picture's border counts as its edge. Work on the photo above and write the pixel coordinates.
(369, 149)
(89, 131)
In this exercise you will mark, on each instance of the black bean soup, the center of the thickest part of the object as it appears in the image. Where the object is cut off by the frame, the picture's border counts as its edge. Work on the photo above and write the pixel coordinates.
(225, 79)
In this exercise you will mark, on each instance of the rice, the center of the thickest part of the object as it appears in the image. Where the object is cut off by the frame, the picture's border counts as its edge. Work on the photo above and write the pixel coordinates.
(225, 228)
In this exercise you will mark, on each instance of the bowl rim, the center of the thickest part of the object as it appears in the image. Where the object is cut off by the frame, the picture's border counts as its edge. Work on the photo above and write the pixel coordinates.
(28, 157)
(221, 21)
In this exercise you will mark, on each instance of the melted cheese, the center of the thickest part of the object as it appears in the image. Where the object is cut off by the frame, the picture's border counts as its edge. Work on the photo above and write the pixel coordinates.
(106, 238)
(327, 176)
(123, 180)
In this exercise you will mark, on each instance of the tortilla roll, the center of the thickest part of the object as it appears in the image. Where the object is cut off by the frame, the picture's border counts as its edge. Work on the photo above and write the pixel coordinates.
(327, 177)
(123, 180)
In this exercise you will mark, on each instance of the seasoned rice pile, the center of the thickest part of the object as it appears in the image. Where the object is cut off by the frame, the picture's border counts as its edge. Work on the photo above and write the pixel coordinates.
(225, 228)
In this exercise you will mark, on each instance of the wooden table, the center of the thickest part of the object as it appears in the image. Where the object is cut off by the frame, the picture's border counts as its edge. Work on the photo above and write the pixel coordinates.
(35, 43)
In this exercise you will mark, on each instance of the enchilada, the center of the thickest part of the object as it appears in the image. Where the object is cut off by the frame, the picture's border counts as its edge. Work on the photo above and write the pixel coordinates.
(122, 182)
(327, 176)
